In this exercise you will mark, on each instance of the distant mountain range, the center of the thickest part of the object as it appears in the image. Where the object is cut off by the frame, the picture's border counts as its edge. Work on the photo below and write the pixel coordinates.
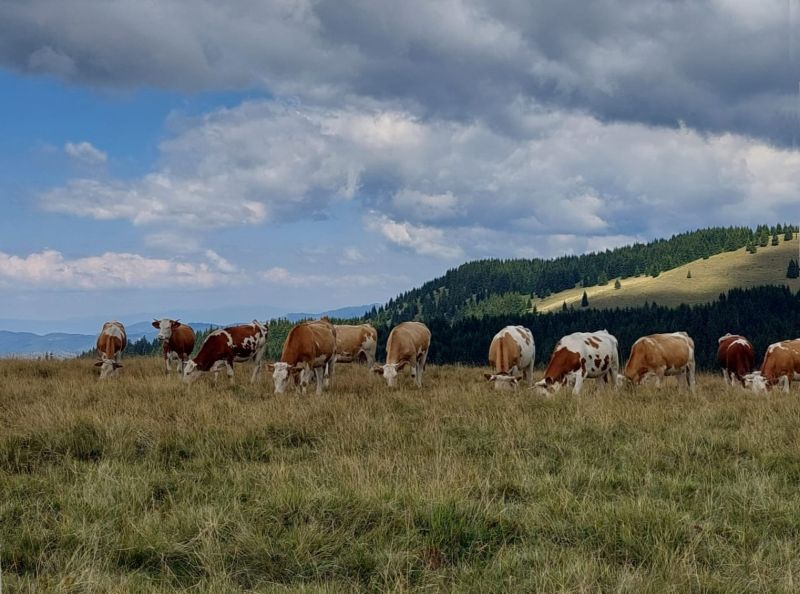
(68, 344)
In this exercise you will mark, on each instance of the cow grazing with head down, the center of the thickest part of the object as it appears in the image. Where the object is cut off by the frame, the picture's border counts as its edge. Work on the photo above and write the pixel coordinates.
(736, 358)
(661, 355)
(355, 342)
(511, 354)
(110, 344)
(223, 347)
(408, 344)
(781, 365)
(580, 356)
(177, 341)
(309, 352)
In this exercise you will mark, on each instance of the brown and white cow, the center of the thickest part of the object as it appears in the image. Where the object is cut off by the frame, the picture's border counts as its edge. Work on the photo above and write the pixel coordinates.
(511, 353)
(781, 365)
(660, 355)
(110, 344)
(309, 351)
(177, 341)
(223, 347)
(736, 357)
(408, 344)
(354, 342)
(580, 356)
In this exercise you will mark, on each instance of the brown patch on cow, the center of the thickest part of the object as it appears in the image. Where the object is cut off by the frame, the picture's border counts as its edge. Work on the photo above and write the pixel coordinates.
(504, 353)
(525, 336)
(561, 363)
(606, 363)
(593, 342)
(407, 341)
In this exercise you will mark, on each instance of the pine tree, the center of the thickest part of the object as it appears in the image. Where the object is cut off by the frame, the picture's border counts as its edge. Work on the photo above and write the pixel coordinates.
(794, 269)
(602, 279)
(751, 248)
(689, 274)
(585, 300)
(564, 306)
(775, 239)
(617, 284)
(763, 240)
(788, 236)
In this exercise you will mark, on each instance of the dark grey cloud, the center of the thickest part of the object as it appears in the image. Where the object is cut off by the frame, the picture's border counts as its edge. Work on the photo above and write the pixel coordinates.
(715, 65)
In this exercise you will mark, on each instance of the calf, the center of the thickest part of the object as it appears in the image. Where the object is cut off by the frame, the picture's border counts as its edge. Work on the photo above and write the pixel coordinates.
(110, 344)
(579, 356)
(512, 352)
(354, 342)
(781, 365)
(309, 351)
(221, 348)
(660, 355)
(408, 344)
(177, 341)
(736, 358)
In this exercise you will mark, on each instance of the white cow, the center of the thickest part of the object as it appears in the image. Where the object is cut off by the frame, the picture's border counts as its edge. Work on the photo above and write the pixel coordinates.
(579, 356)
(512, 352)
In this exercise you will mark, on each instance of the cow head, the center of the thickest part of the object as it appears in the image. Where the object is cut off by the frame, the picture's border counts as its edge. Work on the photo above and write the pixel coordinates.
(502, 381)
(165, 328)
(108, 367)
(191, 372)
(281, 374)
(756, 382)
(389, 372)
(549, 385)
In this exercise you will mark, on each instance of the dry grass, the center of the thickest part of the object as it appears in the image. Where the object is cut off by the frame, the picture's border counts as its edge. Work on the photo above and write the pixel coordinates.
(710, 277)
(138, 485)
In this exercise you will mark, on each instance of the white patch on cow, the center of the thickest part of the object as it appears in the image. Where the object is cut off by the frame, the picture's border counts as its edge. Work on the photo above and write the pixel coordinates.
(755, 382)
(280, 377)
(190, 372)
(164, 329)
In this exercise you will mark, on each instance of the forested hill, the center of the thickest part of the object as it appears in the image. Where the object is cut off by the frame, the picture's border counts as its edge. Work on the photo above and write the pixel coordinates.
(506, 286)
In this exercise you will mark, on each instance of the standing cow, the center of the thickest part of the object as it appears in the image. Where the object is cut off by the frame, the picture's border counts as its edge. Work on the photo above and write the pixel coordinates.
(177, 341)
(354, 342)
(110, 344)
(781, 365)
(661, 355)
(580, 356)
(309, 351)
(408, 344)
(511, 353)
(247, 342)
(736, 357)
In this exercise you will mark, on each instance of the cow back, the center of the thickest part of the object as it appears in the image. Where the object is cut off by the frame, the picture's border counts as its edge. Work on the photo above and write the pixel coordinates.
(406, 341)
(308, 341)
(181, 341)
(504, 352)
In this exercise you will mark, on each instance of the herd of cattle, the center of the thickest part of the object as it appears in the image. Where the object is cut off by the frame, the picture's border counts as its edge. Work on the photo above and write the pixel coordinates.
(312, 348)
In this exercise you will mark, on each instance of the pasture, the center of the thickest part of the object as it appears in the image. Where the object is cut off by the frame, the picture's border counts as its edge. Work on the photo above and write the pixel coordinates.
(140, 485)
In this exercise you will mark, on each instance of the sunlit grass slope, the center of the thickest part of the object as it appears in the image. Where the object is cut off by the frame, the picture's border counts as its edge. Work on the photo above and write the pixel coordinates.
(140, 485)
(710, 277)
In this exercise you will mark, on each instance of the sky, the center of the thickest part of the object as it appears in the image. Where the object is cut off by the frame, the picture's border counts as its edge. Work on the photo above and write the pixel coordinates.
(304, 155)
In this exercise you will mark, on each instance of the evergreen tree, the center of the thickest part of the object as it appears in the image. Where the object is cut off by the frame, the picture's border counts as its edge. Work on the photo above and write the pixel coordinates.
(788, 236)
(794, 269)
(585, 300)
(602, 279)
(689, 274)
(617, 284)
(763, 240)
(775, 239)
(564, 306)
(751, 248)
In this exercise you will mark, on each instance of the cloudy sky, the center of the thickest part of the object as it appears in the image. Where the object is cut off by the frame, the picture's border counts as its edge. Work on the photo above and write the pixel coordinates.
(310, 154)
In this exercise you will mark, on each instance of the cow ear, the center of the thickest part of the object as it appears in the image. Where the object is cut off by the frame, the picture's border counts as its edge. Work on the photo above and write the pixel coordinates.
(488, 376)
(270, 367)
(377, 369)
(401, 365)
(294, 370)
(175, 323)
(117, 365)
(98, 364)
(156, 324)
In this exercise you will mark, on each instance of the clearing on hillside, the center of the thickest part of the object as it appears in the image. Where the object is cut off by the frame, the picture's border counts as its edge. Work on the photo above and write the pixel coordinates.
(671, 288)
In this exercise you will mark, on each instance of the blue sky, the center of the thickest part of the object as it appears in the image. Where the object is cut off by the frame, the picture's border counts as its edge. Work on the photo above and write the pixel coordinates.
(297, 155)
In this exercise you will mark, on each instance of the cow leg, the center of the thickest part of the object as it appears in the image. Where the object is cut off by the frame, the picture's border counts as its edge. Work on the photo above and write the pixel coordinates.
(257, 369)
(229, 370)
(319, 372)
(329, 376)
(691, 377)
(785, 383)
(726, 378)
(576, 389)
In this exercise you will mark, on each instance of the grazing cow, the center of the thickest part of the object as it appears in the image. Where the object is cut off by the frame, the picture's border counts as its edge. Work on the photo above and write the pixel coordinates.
(579, 356)
(177, 341)
(512, 352)
(660, 355)
(354, 342)
(110, 344)
(781, 365)
(736, 357)
(222, 347)
(309, 351)
(408, 344)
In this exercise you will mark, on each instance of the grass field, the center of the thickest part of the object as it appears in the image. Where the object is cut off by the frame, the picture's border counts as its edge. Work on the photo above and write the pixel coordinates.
(710, 277)
(138, 485)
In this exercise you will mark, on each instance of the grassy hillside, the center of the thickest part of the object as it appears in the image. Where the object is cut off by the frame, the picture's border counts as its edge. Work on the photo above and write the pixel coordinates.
(136, 485)
(710, 277)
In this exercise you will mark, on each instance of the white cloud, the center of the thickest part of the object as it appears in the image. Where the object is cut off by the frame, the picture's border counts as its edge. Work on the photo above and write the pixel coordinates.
(282, 277)
(85, 152)
(50, 269)
(425, 241)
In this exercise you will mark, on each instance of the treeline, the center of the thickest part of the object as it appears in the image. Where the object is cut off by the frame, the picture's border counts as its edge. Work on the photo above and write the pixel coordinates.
(763, 314)
(472, 288)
